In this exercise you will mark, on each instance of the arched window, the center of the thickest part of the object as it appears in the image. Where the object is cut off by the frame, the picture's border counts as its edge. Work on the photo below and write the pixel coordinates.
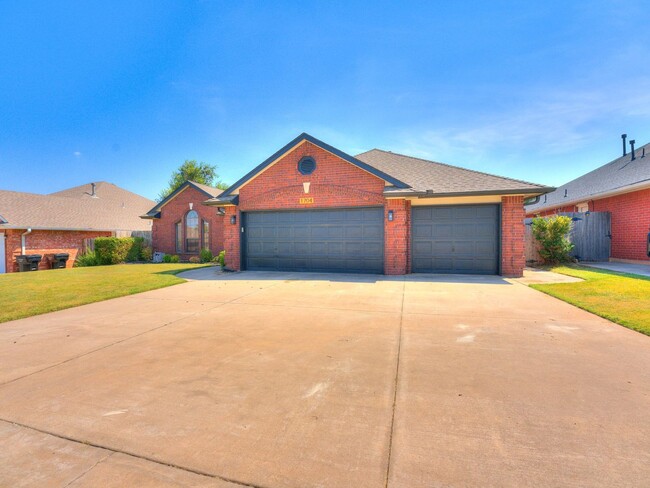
(192, 233)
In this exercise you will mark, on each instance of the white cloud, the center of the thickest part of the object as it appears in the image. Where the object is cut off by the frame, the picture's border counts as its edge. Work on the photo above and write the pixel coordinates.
(77, 154)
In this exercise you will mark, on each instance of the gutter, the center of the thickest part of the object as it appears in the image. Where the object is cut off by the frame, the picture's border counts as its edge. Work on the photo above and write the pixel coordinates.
(420, 194)
(22, 240)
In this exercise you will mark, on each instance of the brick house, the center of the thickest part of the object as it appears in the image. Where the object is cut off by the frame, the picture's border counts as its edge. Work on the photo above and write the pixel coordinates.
(183, 226)
(621, 187)
(59, 222)
(312, 207)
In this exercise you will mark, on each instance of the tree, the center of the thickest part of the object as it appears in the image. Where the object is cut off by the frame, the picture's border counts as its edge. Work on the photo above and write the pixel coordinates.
(552, 234)
(191, 170)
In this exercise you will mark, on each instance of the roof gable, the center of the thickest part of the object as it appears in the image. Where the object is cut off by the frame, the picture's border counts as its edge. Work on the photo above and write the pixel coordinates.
(208, 191)
(229, 193)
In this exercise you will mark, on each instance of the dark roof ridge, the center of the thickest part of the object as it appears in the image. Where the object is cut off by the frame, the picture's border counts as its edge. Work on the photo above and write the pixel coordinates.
(454, 166)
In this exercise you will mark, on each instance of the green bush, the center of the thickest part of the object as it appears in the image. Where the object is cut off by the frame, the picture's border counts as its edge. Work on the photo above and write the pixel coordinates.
(171, 258)
(146, 254)
(221, 259)
(552, 234)
(87, 259)
(135, 253)
(206, 255)
(115, 250)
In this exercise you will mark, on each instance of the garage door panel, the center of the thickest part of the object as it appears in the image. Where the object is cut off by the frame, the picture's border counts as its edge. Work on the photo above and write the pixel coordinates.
(315, 240)
(455, 239)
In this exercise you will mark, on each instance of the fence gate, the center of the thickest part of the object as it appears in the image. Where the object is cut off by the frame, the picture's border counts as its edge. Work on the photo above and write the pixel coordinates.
(590, 234)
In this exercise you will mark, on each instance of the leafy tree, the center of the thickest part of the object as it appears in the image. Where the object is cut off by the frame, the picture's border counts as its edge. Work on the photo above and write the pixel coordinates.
(191, 170)
(552, 234)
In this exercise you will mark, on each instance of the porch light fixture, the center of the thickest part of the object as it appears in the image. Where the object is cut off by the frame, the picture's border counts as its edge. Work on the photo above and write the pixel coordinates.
(233, 219)
(390, 215)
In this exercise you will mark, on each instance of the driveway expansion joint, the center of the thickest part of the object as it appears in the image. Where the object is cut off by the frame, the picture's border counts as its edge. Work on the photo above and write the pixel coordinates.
(130, 454)
(392, 418)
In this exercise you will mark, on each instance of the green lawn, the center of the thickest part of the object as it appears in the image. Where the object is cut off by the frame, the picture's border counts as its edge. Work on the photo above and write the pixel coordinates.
(27, 294)
(619, 297)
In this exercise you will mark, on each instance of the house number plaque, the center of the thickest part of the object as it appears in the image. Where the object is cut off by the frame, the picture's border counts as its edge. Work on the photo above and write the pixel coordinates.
(306, 200)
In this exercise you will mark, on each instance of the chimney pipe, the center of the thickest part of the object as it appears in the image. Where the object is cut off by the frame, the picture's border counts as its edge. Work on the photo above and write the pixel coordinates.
(92, 190)
(624, 136)
(632, 142)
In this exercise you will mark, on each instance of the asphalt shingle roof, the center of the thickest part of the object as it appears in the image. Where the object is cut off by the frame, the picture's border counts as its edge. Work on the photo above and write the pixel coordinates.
(113, 209)
(614, 176)
(440, 178)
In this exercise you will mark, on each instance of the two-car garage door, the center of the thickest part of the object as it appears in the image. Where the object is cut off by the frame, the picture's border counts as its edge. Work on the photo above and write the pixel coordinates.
(345, 240)
(445, 239)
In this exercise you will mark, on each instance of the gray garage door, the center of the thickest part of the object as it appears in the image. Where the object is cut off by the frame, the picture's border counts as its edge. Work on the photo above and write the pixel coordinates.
(456, 239)
(346, 240)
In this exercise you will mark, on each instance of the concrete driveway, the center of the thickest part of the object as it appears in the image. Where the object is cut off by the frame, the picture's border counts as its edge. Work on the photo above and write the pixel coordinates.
(287, 380)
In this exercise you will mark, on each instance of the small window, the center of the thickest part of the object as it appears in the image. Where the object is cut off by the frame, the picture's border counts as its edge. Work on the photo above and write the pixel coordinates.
(206, 234)
(307, 165)
(192, 237)
(179, 236)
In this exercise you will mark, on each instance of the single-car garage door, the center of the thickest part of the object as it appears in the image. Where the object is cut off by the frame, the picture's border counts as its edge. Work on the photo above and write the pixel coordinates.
(456, 239)
(344, 240)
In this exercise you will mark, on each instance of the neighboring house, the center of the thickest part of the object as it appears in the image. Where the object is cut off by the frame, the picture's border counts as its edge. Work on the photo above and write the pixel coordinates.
(312, 207)
(621, 187)
(183, 226)
(58, 223)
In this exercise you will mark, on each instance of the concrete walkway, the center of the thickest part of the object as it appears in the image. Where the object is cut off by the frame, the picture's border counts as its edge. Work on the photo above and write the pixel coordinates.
(638, 269)
(274, 380)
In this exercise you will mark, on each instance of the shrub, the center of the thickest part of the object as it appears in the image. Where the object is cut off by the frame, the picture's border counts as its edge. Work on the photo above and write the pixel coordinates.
(221, 259)
(171, 258)
(114, 250)
(146, 254)
(195, 259)
(87, 259)
(135, 252)
(206, 255)
(552, 234)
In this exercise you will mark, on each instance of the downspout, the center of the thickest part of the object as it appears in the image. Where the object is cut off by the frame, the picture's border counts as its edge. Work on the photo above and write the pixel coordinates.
(22, 240)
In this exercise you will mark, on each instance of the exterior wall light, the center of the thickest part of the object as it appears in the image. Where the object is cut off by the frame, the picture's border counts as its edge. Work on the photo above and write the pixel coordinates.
(233, 219)
(390, 215)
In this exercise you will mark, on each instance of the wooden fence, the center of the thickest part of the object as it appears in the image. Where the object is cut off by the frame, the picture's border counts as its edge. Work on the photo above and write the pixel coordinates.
(590, 235)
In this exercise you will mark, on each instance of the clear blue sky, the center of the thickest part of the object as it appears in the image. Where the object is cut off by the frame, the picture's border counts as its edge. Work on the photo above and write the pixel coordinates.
(125, 91)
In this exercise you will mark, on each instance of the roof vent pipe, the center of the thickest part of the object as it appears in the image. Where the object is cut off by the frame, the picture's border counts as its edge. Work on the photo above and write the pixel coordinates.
(643, 152)
(92, 190)
(632, 142)
(624, 136)
(566, 192)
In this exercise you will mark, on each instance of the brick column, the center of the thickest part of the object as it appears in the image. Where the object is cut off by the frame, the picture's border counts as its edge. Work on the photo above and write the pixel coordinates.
(513, 257)
(232, 238)
(397, 237)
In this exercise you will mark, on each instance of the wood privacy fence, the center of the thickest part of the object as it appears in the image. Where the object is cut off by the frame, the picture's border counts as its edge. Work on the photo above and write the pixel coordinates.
(89, 243)
(590, 235)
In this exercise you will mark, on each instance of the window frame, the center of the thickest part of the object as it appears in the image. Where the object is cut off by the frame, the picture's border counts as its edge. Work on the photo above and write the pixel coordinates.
(188, 231)
(178, 236)
(205, 243)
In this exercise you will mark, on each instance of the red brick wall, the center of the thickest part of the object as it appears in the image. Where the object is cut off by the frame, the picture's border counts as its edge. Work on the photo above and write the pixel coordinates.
(630, 223)
(397, 237)
(232, 238)
(546, 213)
(46, 242)
(334, 183)
(163, 230)
(513, 228)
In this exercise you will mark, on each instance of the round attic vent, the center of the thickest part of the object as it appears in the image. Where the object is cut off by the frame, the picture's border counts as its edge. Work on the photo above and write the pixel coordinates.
(307, 165)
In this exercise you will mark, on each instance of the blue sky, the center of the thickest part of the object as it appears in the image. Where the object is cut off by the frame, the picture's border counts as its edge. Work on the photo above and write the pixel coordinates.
(126, 91)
